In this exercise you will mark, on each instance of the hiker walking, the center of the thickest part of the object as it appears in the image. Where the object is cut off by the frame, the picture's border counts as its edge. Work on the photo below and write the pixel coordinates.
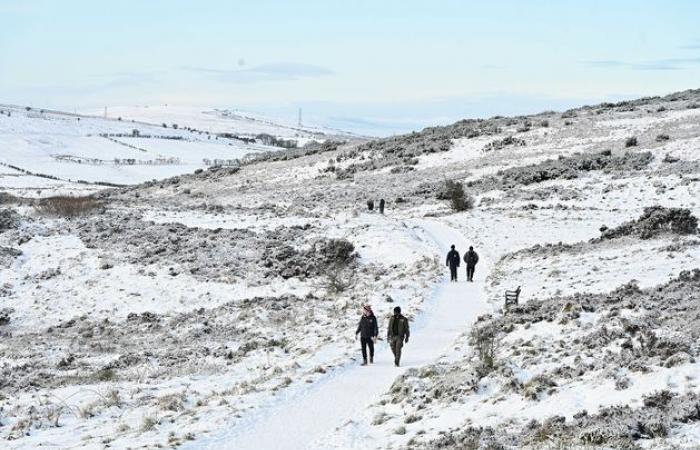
(381, 206)
(370, 204)
(452, 262)
(471, 258)
(397, 334)
(368, 331)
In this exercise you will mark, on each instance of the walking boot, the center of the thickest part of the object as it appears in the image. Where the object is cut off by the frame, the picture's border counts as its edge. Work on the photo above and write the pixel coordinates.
(371, 359)
(364, 362)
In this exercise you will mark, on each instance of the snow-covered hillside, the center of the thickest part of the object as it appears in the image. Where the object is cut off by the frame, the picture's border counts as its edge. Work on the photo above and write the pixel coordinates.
(217, 309)
(243, 123)
(46, 151)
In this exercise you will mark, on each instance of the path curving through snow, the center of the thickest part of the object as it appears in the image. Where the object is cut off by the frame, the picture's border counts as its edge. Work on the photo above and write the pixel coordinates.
(298, 421)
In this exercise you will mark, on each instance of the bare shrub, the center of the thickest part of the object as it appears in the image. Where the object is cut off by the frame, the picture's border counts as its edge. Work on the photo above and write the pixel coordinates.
(53, 414)
(148, 423)
(105, 375)
(68, 206)
(112, 399)
(87, 411)
(172, 402)
(631, 142)
(338, 278)
(662, 138)
(459, 200)
(485, 340)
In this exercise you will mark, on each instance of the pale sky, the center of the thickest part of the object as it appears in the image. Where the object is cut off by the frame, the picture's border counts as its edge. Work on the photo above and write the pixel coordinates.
(377, 66)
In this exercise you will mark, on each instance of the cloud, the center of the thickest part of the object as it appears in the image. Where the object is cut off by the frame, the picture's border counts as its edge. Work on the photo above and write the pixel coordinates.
(693, 45)
(265, 72)
(659, 64)
(126, 79)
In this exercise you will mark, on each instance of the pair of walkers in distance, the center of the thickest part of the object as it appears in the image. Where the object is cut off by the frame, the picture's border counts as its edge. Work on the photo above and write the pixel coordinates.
(471, 258)
(398, 331)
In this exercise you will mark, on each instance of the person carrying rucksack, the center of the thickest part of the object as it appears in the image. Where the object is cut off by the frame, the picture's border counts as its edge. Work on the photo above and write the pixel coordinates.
(397, 334)
(471, 258)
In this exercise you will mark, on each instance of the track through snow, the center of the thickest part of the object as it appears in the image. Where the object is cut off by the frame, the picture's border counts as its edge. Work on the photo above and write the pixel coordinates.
(298, 421)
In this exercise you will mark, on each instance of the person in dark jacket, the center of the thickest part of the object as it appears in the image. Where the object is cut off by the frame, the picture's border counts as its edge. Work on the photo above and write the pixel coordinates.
(471, 258)
(452, 262)
(368, 331)
(397, 334)
(381, 206)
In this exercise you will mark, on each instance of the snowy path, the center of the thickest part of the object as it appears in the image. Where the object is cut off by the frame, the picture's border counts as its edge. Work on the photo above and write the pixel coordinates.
(298, 420)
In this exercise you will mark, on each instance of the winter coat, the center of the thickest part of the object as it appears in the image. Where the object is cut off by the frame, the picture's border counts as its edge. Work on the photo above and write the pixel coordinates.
(471, 258)
(401, 325)
(452, 258)
(367, 327)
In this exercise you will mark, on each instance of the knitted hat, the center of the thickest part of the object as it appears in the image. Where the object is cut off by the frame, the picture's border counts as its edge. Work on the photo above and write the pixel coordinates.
(368, 309)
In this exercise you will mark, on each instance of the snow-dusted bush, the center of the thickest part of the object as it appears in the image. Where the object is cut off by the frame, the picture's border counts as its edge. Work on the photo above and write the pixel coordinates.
(508, 141)
(656, 220)
(9, 219)
(459, 200)
(565, 168)
(336, 251)
(631, 142)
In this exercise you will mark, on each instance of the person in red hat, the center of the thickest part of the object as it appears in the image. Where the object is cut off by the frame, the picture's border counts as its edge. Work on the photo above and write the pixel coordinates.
(368, 331)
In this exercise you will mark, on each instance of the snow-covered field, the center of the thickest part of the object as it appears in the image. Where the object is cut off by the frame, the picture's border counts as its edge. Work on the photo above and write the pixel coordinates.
(83, 150)
(218, 309)
(243, 123)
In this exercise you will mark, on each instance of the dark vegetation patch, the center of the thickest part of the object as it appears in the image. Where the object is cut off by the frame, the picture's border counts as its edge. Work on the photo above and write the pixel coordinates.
(68, 206)
(508, 141)
(563, 168)
(403, 150)
(312, 148)
(620, 427)
(9, 219)
(654, 221)
(215, 254)
(8, 254)
(286, 261)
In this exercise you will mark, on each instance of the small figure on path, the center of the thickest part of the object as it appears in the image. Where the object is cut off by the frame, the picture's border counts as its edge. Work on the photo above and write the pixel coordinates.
(397, 334)
(471, 258)
(452, 262)
(370, 204)
(381, 206)
(368, 331)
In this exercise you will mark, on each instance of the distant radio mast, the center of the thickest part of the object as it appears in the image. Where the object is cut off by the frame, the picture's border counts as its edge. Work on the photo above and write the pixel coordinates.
(299, 117)
(105, 112)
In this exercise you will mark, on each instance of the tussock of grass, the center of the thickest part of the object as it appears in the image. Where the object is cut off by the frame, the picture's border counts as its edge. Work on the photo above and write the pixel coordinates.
(68, 206)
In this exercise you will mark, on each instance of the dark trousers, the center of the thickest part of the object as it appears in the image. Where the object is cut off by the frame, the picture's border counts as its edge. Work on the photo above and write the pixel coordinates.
(453, 273)
(470, 273)
(396, 343)
(367, 342)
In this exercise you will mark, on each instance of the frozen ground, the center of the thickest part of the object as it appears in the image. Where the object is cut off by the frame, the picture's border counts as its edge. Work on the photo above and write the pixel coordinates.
(197, 311)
